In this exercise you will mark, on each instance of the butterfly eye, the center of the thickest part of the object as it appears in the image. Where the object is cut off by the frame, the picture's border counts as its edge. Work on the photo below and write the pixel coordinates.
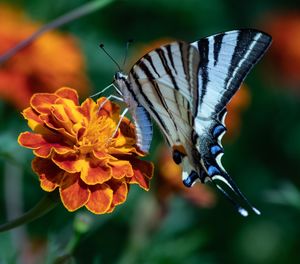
(117, 76)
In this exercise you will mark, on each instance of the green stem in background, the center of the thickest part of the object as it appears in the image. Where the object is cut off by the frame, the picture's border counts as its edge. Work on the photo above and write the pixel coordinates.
(13, 180)
(146, 221)
(46, 204)
(62, 20)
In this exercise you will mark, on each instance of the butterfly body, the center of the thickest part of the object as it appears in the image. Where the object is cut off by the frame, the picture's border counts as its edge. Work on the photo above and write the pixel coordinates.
(185, 88)
(140, 116)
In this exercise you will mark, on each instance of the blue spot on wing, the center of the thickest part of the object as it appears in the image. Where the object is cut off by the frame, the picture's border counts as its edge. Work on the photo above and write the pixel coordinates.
(188, 182)
(218, 130)
(215, 150)
(212, 170)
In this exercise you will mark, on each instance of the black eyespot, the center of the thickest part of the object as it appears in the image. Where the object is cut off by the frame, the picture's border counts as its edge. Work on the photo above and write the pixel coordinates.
(177, 156)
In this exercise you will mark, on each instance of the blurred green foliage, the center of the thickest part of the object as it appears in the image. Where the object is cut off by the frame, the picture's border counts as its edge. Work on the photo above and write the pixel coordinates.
(263, 160)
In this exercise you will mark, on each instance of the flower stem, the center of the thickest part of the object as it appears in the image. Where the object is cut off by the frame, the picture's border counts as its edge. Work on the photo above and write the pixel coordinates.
(62, 20)
(46, 204)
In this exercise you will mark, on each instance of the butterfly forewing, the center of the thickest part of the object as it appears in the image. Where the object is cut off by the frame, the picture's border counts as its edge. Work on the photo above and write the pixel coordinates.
(225, 60)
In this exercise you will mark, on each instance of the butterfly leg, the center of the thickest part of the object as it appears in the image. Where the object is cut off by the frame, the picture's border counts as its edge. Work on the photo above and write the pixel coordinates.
(108, 98)
(118, 125)
(102, 91)
(105, 89)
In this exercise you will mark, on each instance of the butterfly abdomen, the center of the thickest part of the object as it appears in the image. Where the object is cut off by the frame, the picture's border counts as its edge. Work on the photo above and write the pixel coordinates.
(138, 113)
(144, 129)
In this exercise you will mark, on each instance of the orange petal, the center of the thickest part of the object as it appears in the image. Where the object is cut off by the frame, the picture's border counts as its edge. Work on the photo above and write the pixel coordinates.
(62, 120)
(42, 145)
(68, 93)
(120, 190)
(143, 172)
(49, 174)
(34, 122)
(42, 102)
(53, 124)
(121, 168)
(95, 172)
(68, 162)
(100, 199)
(87, 108)
(124, 150)
(73, 192)
(108, 109)
(101, 156)
(69, 110)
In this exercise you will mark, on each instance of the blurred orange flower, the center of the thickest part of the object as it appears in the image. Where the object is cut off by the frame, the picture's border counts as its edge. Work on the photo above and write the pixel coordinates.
(76, 150)
(170, 183)
(285, 51)
(239, 103)
(54, 60)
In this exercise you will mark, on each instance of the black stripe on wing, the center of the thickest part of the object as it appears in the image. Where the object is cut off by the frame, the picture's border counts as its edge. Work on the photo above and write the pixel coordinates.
(150, 105)
(217, 46)
(225, 60)
(251, 45)
(203, 69)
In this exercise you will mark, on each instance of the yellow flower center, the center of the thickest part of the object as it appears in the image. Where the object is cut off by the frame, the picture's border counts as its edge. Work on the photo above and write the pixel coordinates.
(98, 134)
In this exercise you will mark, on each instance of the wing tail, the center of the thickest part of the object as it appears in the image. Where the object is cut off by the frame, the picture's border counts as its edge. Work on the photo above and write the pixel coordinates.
(222, 176)
(210, 147)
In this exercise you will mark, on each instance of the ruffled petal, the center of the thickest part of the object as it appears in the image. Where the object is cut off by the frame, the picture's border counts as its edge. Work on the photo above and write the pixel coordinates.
(43, 145)
(100, 199)
(87, 109)
(69, 162)
(34, 122)
(94, 172)
(121, 168)
(42, 102)
(73, 192)
(143, 172)
(120, 190)
(49, 174)
(68, 93)
(52, 123)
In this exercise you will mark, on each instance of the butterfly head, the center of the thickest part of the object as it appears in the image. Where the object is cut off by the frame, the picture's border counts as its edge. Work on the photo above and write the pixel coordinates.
(120, 79)
(120, 76)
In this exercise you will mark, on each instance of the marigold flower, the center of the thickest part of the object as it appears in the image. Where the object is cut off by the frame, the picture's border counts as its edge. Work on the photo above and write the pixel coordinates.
(54, 60)
(170, 183)
(76, 151)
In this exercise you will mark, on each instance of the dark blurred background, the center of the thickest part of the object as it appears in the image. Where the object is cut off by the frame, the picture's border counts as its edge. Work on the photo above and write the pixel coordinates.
(165, 225)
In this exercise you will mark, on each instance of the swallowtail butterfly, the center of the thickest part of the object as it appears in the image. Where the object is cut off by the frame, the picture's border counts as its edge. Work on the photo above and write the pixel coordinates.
(185, 88)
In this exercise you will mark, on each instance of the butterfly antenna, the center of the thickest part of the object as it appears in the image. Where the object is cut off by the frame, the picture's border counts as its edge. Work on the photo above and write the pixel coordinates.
(114, 61)
(126, 50)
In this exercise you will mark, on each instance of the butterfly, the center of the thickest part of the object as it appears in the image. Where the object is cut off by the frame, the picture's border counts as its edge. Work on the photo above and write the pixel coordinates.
(185, 87)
